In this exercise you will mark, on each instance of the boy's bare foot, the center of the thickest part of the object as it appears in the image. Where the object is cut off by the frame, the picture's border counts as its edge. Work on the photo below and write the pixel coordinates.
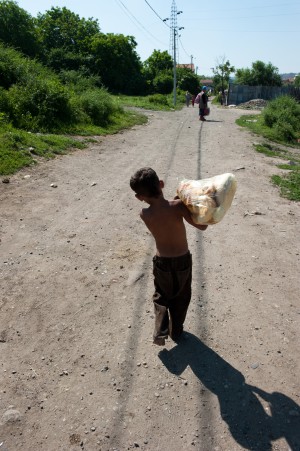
(159, 341)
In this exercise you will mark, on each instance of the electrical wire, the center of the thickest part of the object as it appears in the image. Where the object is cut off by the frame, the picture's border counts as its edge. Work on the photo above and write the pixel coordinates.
(157, 14)
(131, 16)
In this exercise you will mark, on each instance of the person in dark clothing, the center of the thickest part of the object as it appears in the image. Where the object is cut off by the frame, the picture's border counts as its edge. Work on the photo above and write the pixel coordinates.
(202, 100)
(172, 264)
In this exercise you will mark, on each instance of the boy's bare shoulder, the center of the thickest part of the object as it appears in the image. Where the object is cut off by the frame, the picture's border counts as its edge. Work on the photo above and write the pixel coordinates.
(178, 204)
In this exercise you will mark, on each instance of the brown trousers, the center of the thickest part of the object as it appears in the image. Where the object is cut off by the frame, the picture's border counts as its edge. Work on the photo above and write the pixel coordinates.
(172, 282)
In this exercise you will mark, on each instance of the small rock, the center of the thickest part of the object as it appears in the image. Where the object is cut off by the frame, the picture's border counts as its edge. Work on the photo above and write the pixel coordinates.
(5, 180)
(93, 184)
(11, 416)
(53, 185)
(254, 365)
(27, 176)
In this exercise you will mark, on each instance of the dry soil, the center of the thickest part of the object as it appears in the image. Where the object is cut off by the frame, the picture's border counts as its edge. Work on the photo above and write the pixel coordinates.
(78, 367)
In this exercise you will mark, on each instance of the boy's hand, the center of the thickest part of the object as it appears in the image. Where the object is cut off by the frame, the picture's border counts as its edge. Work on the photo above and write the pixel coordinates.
(188, 217)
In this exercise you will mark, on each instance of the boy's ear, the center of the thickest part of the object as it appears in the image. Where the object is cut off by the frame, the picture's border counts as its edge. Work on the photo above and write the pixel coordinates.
(161, 184)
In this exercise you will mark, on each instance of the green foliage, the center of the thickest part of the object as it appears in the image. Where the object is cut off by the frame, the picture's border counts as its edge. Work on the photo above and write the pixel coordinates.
(60, 59)
(42, 104)
(98, 105)
(283, 115)
(289, 185)
(60, 28)
(261, 74)
(18, 148)
(17, 28)
(188, 80)
(15, 68)
(158, 99)
(117, 63)
(271, 151)
(163, 83)
(297, 81)
(150, 102)
(222, 73)
(279, 121)
(156, 63)
(79, 81)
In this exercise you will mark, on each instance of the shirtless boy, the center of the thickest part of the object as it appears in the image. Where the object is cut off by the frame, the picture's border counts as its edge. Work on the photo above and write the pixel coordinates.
(172, 264)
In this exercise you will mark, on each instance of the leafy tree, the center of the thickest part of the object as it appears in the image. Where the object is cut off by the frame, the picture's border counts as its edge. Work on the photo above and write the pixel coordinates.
(61, 59)
(65, 37)
(17, 28)
(222, 73)
(261, 74)
(156, 63)
(163, 83)
(187, 80)
(117, 63)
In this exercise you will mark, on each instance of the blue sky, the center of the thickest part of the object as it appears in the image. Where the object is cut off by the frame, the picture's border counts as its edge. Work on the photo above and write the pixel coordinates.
(240, 31)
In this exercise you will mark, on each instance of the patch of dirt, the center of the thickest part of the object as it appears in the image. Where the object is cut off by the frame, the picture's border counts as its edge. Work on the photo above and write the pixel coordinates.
(78, 367)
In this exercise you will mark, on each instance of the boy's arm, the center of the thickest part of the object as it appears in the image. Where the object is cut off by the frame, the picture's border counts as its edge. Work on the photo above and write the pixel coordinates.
(187, 216)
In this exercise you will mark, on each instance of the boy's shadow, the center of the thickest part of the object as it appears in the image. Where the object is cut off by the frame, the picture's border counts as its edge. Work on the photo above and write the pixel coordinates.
(242, 410)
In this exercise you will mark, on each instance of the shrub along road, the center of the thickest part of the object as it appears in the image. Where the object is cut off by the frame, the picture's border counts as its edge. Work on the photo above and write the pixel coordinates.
(78, 367)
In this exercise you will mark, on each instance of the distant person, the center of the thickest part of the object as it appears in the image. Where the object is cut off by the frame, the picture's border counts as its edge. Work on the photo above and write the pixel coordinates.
(172, 264)
(193, 100)
(202, 100)
(187, 98)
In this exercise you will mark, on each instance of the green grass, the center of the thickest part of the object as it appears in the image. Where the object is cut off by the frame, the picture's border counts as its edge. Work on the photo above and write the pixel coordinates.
(119, 121)
(279, 122)
(288, 183)
(271, 151)
(19, 148)
(157, 102)
(255, 123)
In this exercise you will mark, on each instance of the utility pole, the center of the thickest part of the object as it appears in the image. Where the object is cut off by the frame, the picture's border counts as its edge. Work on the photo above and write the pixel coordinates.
(174, 44)
(174, 69)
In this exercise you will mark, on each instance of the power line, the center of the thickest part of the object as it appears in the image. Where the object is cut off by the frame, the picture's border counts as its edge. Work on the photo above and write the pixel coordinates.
(157, 14)
(183, 48)
(131, 16)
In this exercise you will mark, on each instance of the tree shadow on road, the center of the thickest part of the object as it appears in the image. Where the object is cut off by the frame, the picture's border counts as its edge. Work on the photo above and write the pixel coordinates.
(240, 408)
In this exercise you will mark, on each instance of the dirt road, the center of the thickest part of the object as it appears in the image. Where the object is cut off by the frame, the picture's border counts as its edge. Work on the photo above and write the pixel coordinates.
(78, 367)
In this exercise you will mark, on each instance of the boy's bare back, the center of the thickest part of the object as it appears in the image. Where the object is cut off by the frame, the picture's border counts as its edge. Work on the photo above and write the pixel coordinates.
(164, 219)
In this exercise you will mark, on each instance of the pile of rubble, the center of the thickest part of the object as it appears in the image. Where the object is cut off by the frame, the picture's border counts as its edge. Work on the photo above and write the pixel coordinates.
(255, 104)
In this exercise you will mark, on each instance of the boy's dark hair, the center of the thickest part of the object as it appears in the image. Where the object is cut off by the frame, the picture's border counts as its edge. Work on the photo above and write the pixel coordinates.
(146, 183)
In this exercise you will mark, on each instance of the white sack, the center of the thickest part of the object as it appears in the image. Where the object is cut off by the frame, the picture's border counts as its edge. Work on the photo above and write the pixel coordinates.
(209, 199)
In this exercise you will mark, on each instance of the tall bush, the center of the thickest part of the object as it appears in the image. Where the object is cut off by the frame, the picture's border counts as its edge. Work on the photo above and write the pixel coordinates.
(98, 105)
(283, 115)
(43, 104)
